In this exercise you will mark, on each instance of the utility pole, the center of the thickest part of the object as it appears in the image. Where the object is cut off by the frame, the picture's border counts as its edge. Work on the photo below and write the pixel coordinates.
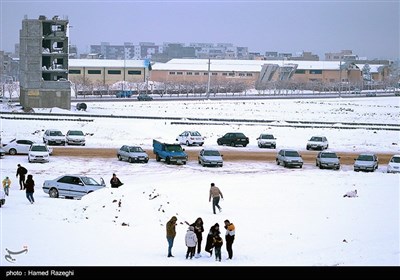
(209, 79)
(340, 77)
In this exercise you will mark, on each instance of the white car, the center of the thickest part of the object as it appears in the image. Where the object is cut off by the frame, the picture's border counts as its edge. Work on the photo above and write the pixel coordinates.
(39, 153)
(266, 140)
(394, 164)
(18, 146)
(317, 143)
(53, 137)
(210, 157)
(190, 138)
(75, 137)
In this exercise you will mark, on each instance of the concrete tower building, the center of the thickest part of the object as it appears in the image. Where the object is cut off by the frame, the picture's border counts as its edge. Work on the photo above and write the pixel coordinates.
(44, 63)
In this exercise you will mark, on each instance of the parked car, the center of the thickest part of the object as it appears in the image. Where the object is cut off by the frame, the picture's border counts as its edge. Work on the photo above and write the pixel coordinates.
(54, 137)
(124, 93)
(2, 152)
(144, 97)
(74, 186)
(39, 152)
(289, 158)
(75, 137)
(370, 94)
(233, 139)
(394, 164)
(190, 138)
(366, 162)
(327, 159)
(18, 146)
(132, 154)
(356, 91)
(266, 141)
(317, 143)
(210, 157)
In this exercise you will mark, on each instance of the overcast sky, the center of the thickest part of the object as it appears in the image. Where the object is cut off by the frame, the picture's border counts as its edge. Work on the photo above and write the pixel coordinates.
(369, 28)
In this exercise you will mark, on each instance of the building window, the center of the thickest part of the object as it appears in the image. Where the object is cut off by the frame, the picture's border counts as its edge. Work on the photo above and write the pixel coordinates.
(205, 74)
(94, 72)
(196, 73)
(241, 75)
(114, 72)
(249, 75)
(172, 73)
(315, 71)
(189, 73)
(74, 71)
(214, 74)
(134, 72)
(231, 74)
(300, 71)
(224, 74)
(179, 73)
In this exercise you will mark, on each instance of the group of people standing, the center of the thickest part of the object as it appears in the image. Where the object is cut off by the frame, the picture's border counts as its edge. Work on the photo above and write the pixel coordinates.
(27, 184)
(194, 237)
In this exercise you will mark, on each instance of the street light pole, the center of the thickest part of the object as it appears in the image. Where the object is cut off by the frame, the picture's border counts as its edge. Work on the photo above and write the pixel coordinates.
(209, 79)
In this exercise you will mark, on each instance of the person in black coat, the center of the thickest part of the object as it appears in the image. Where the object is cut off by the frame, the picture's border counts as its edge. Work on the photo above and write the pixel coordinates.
(30, 188)
(214, 231)
(115, 182)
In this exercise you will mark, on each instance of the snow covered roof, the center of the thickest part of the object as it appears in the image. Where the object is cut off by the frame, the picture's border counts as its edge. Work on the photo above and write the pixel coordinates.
(240, 65)
(374, 68)
(109, 63)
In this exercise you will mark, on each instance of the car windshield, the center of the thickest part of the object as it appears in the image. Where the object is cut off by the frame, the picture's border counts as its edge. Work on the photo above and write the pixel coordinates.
(195, 133)
(395, 159)
(75, 132)
(39, 148)
(267, 136)
(211, 153)
(135, 149)
(56, 133)
(292, 154)
(365, 158)
(89, 181)
(328, 155)
(174, 148)
(316, 139)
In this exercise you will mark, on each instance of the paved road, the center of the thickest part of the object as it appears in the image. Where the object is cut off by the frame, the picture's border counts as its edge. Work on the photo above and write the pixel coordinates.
(266, 155)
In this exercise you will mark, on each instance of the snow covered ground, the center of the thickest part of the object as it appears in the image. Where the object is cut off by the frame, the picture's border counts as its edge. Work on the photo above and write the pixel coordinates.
(283, 217)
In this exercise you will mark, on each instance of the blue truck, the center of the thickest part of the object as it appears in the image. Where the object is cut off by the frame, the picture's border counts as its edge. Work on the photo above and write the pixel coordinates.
(170, 153)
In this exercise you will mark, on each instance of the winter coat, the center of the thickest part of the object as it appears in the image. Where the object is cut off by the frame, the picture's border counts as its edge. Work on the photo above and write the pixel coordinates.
(230, 229)
(115, 182)
(21, 171)
(190, 238)
(171, 224)
(218, 242)
(6, 182)
(214, 231)
(29, 186)
(198, 228)
(215, 192)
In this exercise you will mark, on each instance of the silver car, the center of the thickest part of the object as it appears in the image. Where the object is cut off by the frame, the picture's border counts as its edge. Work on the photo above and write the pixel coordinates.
(132, 154)
(289, 158)
(39, 153)
(327, 160)
(266, 140)
(18, 146)
(366, 162)
(74, 186)
(75, 137)
(210, 157)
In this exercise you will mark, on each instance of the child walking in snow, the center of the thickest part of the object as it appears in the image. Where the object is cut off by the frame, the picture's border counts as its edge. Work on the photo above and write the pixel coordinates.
(218, 242)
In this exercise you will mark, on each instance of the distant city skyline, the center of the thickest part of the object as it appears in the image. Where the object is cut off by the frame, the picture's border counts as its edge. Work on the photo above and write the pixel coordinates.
(369, 28)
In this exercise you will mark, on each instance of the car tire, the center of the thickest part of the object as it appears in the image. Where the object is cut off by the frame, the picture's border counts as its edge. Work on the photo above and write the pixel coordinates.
(130, 160)
(233, 144)
(119, 157)
(12, 151)
(219, 143)
(244, 145)
(53, 193)
(277, 162)
(187, 143)
(158, 157)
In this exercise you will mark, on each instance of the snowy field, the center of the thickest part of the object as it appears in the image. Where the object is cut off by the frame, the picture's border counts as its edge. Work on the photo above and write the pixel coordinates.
(283, 217)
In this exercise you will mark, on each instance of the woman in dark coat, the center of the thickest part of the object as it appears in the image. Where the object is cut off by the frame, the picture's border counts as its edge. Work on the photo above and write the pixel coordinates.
(214, 231)
(30, 188)
(198, 230)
